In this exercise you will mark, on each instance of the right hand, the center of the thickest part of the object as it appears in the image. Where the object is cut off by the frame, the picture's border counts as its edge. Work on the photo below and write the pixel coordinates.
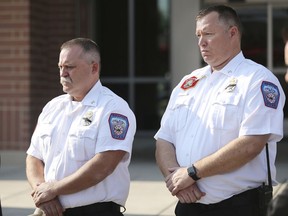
(52, 208)
(190, 194)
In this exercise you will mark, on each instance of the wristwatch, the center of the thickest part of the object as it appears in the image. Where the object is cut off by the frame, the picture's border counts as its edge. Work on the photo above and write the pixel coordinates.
(192, 172)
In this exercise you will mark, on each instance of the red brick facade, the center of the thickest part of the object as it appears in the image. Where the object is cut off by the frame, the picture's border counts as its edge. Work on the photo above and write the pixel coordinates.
(31, 32)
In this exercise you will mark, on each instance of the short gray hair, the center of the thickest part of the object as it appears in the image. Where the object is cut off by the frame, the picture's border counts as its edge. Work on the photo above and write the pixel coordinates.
(88, 46)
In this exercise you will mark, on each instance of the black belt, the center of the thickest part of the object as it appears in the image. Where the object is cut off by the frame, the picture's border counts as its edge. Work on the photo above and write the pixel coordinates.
(92, 208)
(249, 196)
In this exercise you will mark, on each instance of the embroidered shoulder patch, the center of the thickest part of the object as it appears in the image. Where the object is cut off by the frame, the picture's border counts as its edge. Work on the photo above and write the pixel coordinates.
(189, 83)
(119, 125)
(270, 94)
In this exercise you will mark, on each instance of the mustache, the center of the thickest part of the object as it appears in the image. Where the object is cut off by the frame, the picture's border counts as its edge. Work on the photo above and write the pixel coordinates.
(65, 79)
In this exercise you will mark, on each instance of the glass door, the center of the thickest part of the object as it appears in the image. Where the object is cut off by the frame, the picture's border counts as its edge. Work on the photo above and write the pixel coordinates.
(134, 37)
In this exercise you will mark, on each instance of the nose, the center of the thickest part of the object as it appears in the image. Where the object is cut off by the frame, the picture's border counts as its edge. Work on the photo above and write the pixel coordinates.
(63, 72)
(201, 42)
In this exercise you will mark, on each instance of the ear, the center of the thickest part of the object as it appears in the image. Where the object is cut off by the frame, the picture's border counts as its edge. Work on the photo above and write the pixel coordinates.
(233, 31)
(95, 67)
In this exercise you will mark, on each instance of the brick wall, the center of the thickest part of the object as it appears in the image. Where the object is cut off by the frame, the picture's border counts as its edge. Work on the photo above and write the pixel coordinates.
(31, 32)
(14, 73)
(52, 23)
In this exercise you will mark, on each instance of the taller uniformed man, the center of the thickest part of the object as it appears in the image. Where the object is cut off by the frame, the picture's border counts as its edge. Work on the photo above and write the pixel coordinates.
(211, 143)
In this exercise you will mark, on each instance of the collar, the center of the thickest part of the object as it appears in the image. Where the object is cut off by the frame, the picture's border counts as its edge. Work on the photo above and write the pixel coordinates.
(92, 96)
(231, 67)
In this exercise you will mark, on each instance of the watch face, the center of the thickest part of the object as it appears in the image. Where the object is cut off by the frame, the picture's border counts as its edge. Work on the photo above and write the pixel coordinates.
(192, 173)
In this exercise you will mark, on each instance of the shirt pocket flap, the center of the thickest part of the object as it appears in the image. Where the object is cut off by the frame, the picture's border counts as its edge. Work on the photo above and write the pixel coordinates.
(90, 134)
(44, 130)
(182, 100)
(227, 98)
(82, 144)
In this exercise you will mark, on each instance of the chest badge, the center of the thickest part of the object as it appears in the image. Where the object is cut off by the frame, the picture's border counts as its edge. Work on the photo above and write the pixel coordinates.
(87, 118)
(231, 86)
(191, 82)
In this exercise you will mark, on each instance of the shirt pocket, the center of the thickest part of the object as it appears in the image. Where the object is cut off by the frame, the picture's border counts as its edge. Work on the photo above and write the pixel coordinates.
(224, 113)
(179, 113)
(82, 144)
(45, 138)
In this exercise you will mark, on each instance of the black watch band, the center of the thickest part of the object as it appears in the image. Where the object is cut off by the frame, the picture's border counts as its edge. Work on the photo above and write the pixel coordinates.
(192, 172)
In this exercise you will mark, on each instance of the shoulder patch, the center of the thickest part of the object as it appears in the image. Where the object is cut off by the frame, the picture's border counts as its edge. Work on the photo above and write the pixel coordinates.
(191, 82)
(270, 94)
(119, 125)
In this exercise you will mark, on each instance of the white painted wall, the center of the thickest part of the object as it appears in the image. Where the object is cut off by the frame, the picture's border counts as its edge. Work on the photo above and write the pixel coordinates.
(185, 56)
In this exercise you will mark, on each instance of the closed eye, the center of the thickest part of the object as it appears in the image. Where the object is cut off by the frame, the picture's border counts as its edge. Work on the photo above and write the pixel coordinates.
(66, 67)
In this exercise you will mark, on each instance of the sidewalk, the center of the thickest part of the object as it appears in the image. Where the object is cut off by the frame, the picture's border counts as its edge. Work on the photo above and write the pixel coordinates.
(148, 194)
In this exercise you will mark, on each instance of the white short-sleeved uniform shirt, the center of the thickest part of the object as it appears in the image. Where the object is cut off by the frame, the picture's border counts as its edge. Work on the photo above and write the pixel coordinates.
(70, 133)
(208, 110)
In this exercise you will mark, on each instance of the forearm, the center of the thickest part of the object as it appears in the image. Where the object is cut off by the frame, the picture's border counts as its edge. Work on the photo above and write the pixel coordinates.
(165, 156)
(90, 174)
(232, 156)
(34, 171)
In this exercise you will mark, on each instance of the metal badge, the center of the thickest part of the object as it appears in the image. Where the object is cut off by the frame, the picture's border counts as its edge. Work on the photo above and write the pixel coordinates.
(232, 85)
(87, 118)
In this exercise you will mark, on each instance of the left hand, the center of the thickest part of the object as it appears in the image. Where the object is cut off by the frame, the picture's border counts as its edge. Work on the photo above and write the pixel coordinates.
(43, 192)
(178, 180)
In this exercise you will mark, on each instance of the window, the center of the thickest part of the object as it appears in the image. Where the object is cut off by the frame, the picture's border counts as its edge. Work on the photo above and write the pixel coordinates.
(134, 41)
(254, 39)
(280, 19)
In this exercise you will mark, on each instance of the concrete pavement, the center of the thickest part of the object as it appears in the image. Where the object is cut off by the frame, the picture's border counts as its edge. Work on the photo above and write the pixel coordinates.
(148, 195)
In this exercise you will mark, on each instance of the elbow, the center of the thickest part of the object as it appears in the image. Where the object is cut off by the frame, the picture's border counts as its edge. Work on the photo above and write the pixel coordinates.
(100, 176)
(254, 150)
(256, 145)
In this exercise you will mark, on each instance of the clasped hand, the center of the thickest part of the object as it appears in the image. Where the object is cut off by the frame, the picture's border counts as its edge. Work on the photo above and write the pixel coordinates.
(43, 193)
(181, 185)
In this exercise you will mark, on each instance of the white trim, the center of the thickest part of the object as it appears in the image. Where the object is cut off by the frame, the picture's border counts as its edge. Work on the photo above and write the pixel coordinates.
(269, 37)
(131, 52)
(185, 55)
